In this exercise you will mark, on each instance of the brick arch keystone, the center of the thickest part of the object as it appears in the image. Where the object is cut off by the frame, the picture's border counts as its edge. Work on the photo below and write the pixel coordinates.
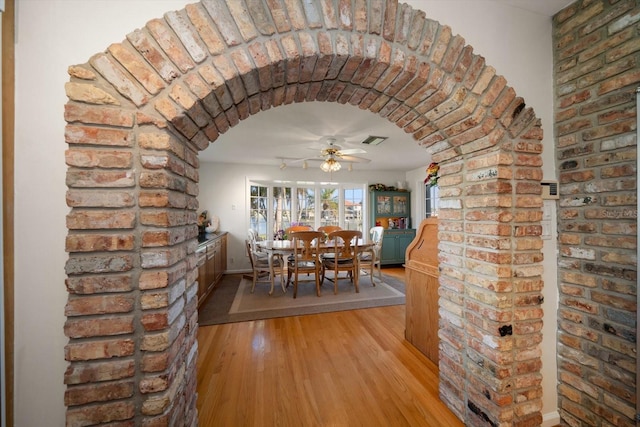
(139, 113)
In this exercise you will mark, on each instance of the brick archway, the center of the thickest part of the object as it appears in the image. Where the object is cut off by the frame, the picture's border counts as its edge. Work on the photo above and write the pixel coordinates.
(139, 113)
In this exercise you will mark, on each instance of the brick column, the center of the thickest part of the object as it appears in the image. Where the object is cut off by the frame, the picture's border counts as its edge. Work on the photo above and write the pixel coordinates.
(597, 72)
(490, 243)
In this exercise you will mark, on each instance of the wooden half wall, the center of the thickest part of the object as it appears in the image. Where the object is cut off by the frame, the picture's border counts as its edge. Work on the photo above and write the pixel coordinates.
(422, 276)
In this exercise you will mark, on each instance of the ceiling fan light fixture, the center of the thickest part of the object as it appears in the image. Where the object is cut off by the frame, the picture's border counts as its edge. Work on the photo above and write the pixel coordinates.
(283, 165)
(374, 140)
(330, 165)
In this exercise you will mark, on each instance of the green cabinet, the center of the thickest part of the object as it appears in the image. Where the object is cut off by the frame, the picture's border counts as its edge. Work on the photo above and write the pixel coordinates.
(394, 245)
(392, 210)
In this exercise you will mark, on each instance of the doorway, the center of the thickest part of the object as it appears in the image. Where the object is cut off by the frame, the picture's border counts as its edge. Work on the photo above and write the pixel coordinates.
(182, 81)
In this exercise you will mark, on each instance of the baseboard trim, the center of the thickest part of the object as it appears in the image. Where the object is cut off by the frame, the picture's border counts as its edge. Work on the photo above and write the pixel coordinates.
(550, 419)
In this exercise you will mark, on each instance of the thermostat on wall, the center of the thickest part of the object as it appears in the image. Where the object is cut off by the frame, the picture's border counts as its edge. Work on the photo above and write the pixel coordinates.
(550, 190)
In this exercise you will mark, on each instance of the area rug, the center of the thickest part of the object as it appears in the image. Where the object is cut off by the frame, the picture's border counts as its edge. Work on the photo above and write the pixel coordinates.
(232, 300)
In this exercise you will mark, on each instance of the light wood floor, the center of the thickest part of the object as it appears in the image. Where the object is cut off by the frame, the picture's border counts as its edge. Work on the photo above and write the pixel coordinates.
(349, 368)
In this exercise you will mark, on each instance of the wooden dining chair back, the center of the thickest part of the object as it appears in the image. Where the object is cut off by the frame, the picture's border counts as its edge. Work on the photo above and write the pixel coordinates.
(305, 259)
(295, 228)
(344, 256)
(264, 267)
(327, 229)
(371, 257)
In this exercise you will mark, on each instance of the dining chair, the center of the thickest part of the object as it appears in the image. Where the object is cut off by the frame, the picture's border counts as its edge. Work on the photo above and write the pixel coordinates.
(252, 236)
(262, 268)
(305, 258)
(344, 256)
(326, 229)
(295, 228)
(370, 257)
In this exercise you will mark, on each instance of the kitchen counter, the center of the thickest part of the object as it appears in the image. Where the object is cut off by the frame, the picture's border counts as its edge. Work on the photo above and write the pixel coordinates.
(203, 239)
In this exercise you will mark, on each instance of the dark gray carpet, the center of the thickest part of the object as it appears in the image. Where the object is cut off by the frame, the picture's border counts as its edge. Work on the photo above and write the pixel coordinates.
(216, 309)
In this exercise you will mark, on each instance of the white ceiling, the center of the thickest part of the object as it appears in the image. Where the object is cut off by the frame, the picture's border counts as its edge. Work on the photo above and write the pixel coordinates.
(543, 7)
(298, 131)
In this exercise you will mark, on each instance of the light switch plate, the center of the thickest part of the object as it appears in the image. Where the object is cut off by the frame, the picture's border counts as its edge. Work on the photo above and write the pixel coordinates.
(550, 190)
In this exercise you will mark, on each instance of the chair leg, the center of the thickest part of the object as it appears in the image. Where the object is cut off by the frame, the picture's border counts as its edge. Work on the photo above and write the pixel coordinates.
(282, 284)
(373, 264)
(271, 274)
(356, 273)
(295, 284)
(255, 279)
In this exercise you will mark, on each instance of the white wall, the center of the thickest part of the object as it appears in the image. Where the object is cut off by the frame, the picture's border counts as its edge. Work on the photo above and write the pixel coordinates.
(53, 34)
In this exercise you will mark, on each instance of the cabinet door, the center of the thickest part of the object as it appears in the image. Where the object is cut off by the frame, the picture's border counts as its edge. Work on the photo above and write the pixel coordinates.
(202, 275)
(400, 205)
(394, 245)
(389, 249)
(211, 265)
(404, 240)
(383, 205)
(218, 263)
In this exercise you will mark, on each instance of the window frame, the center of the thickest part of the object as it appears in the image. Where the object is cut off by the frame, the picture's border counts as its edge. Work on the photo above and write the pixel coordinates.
(431, 200)
(318, 188)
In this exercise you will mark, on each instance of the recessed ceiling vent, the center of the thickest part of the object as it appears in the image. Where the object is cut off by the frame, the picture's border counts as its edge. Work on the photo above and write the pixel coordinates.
(550, 190)
(374, 140)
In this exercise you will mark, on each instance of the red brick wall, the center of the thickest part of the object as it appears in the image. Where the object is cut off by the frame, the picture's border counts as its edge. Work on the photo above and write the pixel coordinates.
(139, 113)
(597, 71)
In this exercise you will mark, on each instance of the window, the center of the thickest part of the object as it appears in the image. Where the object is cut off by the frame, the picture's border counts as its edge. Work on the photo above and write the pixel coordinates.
(432, 199)
(353, 201)
(281, 208)
(329, 214)
(274, 207)
(306, 206)
(258, 213)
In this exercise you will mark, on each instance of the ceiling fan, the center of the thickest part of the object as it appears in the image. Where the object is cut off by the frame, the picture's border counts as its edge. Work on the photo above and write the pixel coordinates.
(331, 154)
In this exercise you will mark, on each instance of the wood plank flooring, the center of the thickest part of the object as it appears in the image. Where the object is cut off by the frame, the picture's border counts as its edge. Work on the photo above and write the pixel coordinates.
(350, 368)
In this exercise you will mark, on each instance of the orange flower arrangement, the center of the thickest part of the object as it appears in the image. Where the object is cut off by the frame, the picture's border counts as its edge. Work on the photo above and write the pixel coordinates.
(432, 175)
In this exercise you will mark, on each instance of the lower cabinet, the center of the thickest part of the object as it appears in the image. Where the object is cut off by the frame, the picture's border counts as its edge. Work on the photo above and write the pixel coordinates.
(394, 245)
(212, 262)
(201, 254)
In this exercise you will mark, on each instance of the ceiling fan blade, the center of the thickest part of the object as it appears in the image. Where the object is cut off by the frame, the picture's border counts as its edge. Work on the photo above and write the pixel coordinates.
(353, 151)
(354, 159)
(302, 159)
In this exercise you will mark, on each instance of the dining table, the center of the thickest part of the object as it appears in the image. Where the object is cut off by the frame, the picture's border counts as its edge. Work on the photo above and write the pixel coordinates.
(285, 247)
